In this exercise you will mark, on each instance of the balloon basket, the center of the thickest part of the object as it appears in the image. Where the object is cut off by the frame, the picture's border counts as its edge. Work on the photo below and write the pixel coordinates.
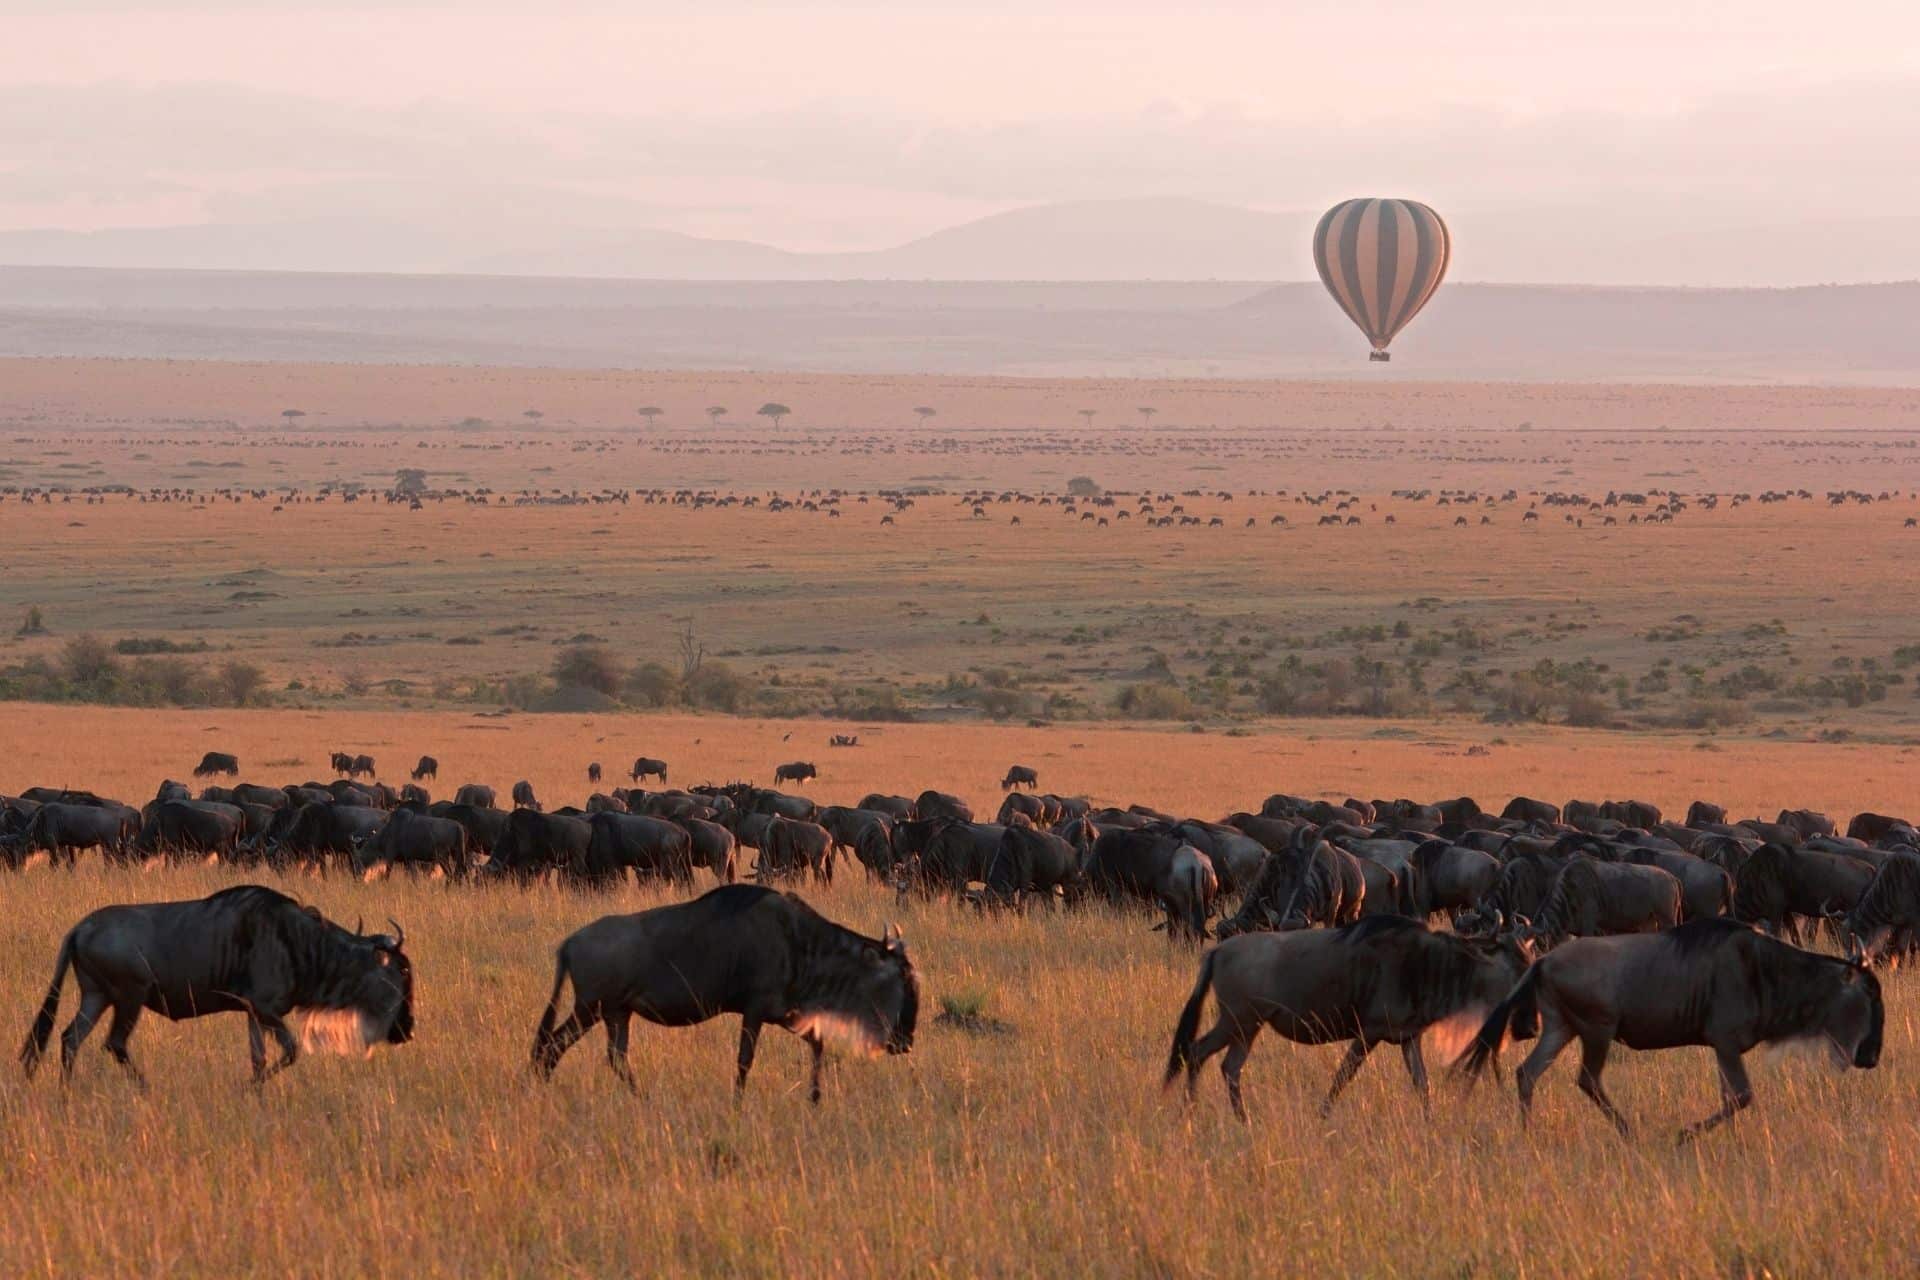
(1380, 357)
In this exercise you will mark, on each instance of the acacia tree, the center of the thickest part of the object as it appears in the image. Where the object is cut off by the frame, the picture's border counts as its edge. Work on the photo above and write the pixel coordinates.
(533, 416)
(715, 412)
(774, 411)
(924, 413)
(1088, 415)
(293, 415)
(1146, 412)
(649, 412)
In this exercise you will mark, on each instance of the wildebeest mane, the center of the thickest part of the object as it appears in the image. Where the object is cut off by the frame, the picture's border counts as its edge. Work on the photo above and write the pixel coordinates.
(320, 954)
(825, 959)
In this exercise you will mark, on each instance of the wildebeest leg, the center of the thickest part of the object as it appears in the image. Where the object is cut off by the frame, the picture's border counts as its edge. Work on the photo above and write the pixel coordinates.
(618, 1023)
(1593, 1060)
(1230, 1066)
(1553, 1038)
(125, 1017)
(256, 1041)
(813, 1081)
(1736, 1093)
(1350, 1065)
(749, 1041)
(92, 1005)
(578, 1023)
(1417, 1071)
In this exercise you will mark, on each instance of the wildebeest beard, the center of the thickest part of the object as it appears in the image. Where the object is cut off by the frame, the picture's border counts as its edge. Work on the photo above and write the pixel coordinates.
(834, 989)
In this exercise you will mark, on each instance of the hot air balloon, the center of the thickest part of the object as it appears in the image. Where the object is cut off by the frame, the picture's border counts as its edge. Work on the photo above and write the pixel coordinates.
(1381, 260)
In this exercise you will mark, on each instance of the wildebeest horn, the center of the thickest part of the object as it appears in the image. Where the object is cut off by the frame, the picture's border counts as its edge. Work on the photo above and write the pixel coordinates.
(359, 926)
(399, 934)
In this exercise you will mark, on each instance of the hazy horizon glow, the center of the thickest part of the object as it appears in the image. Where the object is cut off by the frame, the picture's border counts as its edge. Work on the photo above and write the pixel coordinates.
(856, 126)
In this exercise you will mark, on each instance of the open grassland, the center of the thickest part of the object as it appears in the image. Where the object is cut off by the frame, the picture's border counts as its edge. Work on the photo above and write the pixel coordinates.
(1044, 1147)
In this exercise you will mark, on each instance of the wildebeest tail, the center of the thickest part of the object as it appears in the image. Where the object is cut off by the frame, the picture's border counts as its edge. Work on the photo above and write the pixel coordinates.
(42, 1029)
(1184, 1031)
(1520, 1007)
(543, 1056)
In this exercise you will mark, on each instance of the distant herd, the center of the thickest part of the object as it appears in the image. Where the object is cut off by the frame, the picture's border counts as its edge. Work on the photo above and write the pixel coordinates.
(1361, 921)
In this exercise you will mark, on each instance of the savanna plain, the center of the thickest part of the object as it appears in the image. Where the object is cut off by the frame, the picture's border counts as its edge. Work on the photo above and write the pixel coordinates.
(1752, 652)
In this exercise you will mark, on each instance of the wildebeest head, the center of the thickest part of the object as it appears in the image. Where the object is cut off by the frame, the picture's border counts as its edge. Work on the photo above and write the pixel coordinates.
(871, 1003)
(1856, 1019)
(366, 1000)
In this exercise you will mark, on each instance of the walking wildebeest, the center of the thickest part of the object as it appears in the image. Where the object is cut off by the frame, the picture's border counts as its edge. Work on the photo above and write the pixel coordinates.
(362, 767)
(1019, 775)
(523, 797)
(244, 950)
(648, 767)
(427, 768)
(1591, 897)
(217, 762)
(1888, 912)
(62, 830)
(744, 949)
(1778, 883)
(1384, 980)
(593, 772)
(1715, 982)
(794, 771)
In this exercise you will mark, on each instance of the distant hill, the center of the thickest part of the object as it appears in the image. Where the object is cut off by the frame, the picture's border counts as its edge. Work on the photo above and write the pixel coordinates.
(1855, 334)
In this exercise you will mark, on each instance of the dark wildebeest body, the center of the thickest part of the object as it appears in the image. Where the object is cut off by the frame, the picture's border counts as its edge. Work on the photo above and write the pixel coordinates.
(1312, 883)
(1020, 775)
(1705, 889)
(938, 804)
(794, 771)
(649, 846)
(485, 827)
(1590, 897)
(182, 827)
(363, 767)
(899, 808)
(1236, 856)
(1382, 981)
(593, 773)
(1524, 809)
(1701, 813)
(1033, 862)
(62, 830)
(648, 767)
(1778, 883)
(171, 790)
(412, 839)
(791, 847)
(1874, 827)
(1451, 878)
(713, 847)
(217, 762)
(427, 768)
(476, 794)
(536, 842)
(523, 797)
(317, 830)
(1154, 866)
(866, 833)
(1886, 919)
(1709, 982)
(243, 950)
(741, 949)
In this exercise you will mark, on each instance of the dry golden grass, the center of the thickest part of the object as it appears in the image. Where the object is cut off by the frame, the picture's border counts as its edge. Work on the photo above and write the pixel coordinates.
(1047, 1150)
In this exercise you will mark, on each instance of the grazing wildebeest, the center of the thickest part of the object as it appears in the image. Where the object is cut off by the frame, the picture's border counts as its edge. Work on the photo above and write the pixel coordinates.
(415, 794)
(171, 790)
(316, 830)
(648, 767)
(523, 797)
(791, 847)
(743, 949)
(1523, 809)
(485, 828)
(1019, 775)
(1708, 982)
(1701, 814)
(536, 842)
(475, 794)
(243, 950)
(1311, 883)
(342, 762)
(1778, 883)
(414, 840)
(593, 772)
(62, 830)
(714, 847)
(362, 768)
(217, 762)
(427, 768)
(1151, 864)
(951, 856)
(1874, 827)
(866, 833)
(1029, 861)
(794, 771)
(1385, 980)
(1236, 856)
(192, 827)
(650, 846)
(1886, 919)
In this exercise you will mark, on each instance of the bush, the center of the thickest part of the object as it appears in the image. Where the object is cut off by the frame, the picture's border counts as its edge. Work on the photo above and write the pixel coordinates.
(590, 666)
(134, 646)
(716, 687)
(652, 685)
(1154, 702)
(240, 681)
(90, 664)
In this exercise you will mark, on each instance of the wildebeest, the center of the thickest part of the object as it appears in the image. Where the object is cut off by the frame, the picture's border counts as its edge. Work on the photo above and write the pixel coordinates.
(217, 762)
(316, 830)
(743, 949)
(62, 830)
(938, 804)
(412, 839)
(1033, 862)
(864, 832)
(244, 950)
(593, 772)
(648, 767)
(1708, 982)
(523, 797)
(1384, 980)
(714, 847)
(1887, 915)
(791, 847)
(536, 842)
(192, 827)
(1591, 897)
(427, 768)
(1778, 883)
(476, 794)
(341, 762)
(794, 771)
(649, 846)
(1308, 884)
(1152, 865)
(899, 808)
(1019, 775)
(1523, 809)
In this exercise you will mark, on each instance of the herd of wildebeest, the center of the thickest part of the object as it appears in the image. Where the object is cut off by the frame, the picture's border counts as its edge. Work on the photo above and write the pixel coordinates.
(1368, 922)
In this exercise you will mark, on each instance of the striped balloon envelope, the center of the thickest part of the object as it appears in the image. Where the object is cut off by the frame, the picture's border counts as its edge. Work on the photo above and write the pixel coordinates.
(1381, 260)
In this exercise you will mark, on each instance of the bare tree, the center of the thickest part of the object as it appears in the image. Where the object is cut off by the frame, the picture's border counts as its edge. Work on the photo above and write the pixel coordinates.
(649, 412)
(692, 651)
(715, 412)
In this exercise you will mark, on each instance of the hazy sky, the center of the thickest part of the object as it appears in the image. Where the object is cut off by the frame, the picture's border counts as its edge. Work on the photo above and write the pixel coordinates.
(839, 126)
